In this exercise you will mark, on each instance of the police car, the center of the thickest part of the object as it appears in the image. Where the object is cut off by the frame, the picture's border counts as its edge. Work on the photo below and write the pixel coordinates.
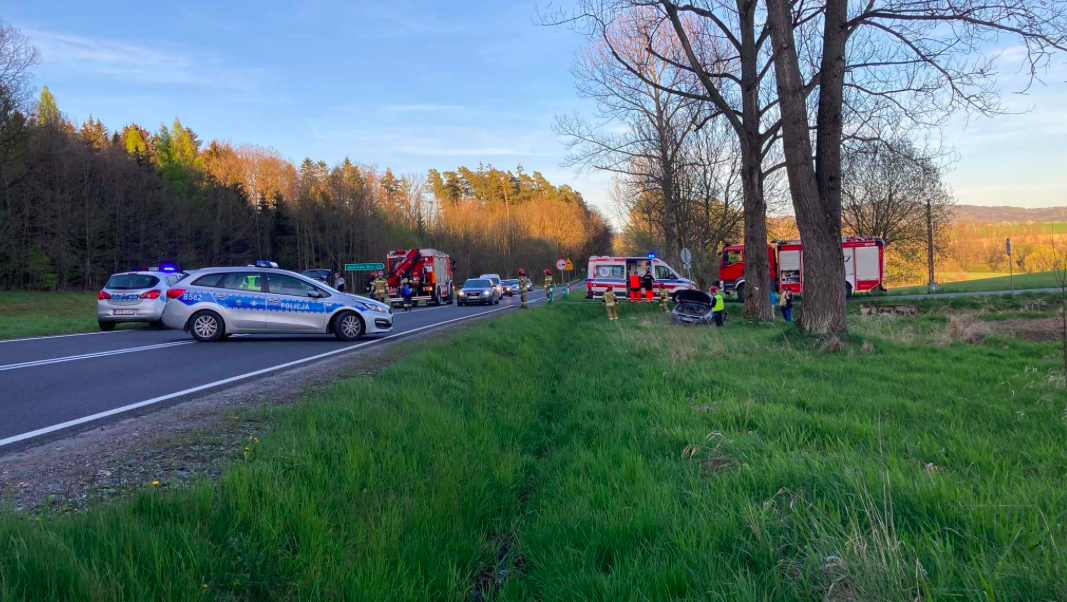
(216, 302)
(137, 296)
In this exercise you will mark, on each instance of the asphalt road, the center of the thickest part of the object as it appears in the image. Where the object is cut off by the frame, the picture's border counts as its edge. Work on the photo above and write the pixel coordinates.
(53, 384)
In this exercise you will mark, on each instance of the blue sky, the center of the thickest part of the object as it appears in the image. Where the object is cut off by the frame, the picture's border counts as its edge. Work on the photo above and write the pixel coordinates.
(414, 85)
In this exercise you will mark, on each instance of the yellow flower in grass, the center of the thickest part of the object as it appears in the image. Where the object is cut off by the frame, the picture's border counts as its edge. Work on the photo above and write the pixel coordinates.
(155, 483)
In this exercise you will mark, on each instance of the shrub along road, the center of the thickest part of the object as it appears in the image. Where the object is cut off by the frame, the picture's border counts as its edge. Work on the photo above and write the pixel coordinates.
(552, 455)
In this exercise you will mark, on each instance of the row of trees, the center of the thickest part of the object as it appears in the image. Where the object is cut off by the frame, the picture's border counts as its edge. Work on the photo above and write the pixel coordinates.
(861, 77)
(82, 202)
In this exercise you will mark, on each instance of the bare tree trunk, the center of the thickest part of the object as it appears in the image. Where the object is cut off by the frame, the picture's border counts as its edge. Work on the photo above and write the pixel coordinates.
(757, 265)
(824, 306)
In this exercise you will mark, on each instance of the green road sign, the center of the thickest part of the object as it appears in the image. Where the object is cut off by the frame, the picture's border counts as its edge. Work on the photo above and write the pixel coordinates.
(364, 267)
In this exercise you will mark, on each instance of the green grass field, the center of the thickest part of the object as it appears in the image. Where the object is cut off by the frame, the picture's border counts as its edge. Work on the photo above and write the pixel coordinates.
(553, 455)
(32, 314)
(999, 283)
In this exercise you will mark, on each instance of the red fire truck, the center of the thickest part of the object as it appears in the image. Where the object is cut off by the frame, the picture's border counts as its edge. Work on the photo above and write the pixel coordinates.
(864, 265)
(428, 271)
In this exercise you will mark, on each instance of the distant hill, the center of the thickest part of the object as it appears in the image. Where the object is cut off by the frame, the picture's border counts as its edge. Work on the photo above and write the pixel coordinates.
(1013, 215)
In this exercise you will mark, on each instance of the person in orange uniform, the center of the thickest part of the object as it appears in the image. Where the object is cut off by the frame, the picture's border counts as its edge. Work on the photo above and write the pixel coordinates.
(648, 283)
(635, 287)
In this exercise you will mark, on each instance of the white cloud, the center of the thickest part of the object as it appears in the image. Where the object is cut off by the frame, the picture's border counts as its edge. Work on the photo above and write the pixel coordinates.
(134, 63)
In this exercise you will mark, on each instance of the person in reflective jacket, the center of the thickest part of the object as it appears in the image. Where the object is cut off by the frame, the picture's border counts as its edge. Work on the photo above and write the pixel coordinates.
(523, 283)
(548, 285)
(635, 287)
(610, 303)
(664, 298)
(718, 307)
(648, 283)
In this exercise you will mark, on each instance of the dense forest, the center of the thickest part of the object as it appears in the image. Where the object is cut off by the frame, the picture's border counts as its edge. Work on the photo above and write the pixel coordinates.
(83, 202)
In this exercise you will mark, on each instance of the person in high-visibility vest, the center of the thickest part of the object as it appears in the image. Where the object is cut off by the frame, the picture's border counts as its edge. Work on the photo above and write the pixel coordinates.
(523, 283)
(648, 283)
(381, 289)
(548, 285)
(664, 298)
(610, 303)
(635, 287)
(718, 307)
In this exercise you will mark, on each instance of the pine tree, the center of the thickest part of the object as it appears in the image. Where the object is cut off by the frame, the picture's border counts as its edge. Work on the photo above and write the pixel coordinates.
(47, 111)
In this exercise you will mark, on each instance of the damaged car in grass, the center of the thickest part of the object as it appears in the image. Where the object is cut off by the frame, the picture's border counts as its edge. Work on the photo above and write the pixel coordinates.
(693, 307)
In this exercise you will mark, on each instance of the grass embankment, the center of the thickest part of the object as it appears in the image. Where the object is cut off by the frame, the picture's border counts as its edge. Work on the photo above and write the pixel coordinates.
(33, 314)
(1000, 283)
(553, 455)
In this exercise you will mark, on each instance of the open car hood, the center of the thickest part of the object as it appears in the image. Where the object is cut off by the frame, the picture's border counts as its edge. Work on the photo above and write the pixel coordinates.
(693, 296)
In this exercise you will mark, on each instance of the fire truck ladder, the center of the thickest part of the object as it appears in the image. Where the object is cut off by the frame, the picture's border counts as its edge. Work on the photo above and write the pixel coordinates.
(403, 267)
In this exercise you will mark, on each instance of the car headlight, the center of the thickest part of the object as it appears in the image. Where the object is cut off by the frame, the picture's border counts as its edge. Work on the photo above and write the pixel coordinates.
(462, 293)
(369, 306)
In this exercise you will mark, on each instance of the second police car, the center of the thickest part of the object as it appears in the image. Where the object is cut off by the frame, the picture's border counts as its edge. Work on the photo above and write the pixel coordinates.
(216, 302)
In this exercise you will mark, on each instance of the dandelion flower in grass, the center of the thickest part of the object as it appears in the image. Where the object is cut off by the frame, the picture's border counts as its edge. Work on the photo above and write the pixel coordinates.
(155, 483)
(246, 450)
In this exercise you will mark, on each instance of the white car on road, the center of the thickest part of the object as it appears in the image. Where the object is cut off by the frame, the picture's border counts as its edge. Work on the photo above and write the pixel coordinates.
(217, 302)
(138, 296)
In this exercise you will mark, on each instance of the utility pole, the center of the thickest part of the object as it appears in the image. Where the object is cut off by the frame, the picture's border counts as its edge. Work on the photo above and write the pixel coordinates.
(1011, 265)
(930, 243)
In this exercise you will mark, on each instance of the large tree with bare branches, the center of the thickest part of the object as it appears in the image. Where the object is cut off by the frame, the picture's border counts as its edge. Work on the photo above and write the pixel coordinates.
(915, 60)
(724, 52)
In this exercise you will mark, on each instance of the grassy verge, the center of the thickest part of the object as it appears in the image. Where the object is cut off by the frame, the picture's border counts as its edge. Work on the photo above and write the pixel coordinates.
(1000, 283)
(552, 455)
(32, 314)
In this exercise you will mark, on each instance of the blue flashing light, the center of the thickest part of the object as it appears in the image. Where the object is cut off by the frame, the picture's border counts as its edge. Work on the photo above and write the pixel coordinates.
(168, 267)
(651, 255)
(265, 264)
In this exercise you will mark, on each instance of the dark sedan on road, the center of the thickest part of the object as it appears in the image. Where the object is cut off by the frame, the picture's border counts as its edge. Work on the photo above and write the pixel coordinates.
(478, 290)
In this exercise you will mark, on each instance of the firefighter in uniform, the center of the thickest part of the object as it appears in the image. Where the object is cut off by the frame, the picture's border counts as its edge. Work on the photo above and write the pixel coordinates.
(523, 282)
(610, 303)
(381, 289)
(548, 285)
(664, 298)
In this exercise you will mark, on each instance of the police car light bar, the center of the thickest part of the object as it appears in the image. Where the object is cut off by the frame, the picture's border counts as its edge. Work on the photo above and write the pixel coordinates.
(168, 267)
(265, 264)
(651, 255)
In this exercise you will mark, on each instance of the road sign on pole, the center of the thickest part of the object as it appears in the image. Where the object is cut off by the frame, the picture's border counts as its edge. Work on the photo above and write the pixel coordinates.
(561, 264)
(569, 267)
(687, 261)
(364, 267)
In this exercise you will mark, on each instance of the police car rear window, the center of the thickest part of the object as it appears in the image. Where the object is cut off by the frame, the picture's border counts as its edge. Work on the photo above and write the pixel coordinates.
(210, 281)
(128, 282)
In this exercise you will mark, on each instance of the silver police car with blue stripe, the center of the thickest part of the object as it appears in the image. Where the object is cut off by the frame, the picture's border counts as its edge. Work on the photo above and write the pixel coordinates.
(216, 302)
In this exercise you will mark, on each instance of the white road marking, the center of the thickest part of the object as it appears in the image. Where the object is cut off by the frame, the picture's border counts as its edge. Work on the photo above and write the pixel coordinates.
(86, 356)
(60, 336)
(232, 379)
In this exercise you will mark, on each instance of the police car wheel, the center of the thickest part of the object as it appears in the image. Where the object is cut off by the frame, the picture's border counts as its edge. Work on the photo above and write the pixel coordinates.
(107, 326)
(206, 327)
(347, 326)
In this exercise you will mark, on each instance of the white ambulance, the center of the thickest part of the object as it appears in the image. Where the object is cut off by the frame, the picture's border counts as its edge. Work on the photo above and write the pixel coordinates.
(614, 272)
